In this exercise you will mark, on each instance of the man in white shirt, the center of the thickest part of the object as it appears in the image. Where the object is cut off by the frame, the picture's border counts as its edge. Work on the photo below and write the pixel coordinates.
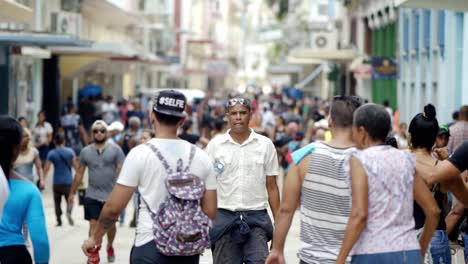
(247, 165)
(142, 171)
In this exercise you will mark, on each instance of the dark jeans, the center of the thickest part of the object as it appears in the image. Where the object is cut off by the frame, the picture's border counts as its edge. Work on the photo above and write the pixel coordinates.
(403, 257)
(15, 255)
(148, 254)
(59, 191)
(43, 150)
(254, 250)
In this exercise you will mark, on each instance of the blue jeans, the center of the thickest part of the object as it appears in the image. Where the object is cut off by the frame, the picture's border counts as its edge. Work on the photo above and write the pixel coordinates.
(148, 254)
(400, 257)
(440, 248)
(465, 240)
(229, 251)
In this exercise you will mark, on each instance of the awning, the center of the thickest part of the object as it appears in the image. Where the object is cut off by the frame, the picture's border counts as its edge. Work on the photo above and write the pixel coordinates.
(357, 62)
(106, 49)
(32, 39)
(311, 77)
(33, 52)
(304, 61)
(284, 69)
(332, 55)
(145, 59)
(454, 5)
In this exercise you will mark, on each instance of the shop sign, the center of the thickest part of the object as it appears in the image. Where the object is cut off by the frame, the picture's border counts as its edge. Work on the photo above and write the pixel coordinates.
(384, 68)
(363, 71)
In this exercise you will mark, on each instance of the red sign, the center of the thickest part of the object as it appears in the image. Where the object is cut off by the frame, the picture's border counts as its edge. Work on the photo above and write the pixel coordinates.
(363, 71)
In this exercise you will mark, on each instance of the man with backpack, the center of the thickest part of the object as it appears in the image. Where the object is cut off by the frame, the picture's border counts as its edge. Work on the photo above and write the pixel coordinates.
(63, 159)
(247, 166)
(177, 187)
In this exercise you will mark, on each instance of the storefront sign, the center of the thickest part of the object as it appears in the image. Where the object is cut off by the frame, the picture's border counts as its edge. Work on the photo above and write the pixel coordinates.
(384, 68)
(363, 71)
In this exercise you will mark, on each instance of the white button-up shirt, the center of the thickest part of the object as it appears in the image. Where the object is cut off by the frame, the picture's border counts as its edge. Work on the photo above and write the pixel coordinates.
(242, 170)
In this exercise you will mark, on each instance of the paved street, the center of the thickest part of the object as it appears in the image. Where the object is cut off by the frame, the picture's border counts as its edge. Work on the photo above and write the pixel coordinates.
(65, 241)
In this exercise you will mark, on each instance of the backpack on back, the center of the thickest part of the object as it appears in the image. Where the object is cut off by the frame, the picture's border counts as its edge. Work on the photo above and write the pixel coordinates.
(180, 227)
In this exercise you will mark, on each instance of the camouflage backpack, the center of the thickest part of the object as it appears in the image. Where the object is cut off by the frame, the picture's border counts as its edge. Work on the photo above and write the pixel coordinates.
(180, 227)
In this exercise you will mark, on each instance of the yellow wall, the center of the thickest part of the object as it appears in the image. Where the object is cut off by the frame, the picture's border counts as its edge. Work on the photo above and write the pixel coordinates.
(71, 65)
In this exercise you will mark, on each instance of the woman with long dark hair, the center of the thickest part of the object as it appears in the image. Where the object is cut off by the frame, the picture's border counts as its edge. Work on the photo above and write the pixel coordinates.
(422, 136)
(24, 204)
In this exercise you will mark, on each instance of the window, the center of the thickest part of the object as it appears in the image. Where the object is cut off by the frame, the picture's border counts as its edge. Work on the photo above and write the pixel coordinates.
(441, 31)
(427, 30)
(368, 37)
(416, 31)
(406, 34)
(141, 5)
(323, 10)
(353, 33)
(71, 5)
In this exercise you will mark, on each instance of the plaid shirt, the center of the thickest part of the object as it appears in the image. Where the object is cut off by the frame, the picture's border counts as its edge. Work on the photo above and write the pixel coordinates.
(458, 135)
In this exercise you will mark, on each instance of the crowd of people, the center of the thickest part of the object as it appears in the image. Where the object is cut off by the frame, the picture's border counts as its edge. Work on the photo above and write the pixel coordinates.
(368, 191)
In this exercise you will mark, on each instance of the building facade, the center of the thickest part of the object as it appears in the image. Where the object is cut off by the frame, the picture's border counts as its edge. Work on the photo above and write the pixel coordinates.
(433, 55)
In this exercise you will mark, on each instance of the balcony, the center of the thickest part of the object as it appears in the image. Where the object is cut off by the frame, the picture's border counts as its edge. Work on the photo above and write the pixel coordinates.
(104, 12)
(16, 11)
(454, 5)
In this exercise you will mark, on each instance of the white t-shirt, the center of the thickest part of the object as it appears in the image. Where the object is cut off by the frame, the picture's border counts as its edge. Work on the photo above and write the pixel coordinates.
(144, 170)
(4, 191)
(40, 133)
(109, 112)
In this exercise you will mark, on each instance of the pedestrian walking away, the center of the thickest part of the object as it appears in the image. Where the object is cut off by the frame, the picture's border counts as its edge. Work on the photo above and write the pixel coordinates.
(423, 131)
(104, 161)
(384, 183)
(317, 182)
(169, 174)
(247, 165)
(23, 205)
(63, 159)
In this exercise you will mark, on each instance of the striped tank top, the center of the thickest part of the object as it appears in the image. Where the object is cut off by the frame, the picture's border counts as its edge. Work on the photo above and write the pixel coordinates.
(325, 204)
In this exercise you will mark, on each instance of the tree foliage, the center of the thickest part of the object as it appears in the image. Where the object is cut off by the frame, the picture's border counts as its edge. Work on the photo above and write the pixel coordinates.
(280, 6)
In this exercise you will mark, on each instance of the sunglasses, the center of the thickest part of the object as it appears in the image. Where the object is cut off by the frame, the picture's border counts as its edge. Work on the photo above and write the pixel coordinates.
(238, 101)
(102, 131)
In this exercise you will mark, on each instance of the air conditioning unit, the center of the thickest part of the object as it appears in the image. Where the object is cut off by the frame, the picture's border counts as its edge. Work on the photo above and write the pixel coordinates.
(324, 40)
(66, 23)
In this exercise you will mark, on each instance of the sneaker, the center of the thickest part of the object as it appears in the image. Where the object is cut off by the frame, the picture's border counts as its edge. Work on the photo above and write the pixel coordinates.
(93, 257)
(70, 219)
(110, 255)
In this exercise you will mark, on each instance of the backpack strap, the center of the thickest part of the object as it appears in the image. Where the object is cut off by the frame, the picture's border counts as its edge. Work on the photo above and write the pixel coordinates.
(153, 214)
(193, 149)
(160, 157)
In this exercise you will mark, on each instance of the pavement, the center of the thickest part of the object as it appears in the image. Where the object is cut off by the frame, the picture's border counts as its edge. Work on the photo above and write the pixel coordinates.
(65, 241)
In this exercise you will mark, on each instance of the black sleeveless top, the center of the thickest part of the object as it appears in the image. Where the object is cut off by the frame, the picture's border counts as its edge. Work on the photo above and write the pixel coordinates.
(443, 204)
